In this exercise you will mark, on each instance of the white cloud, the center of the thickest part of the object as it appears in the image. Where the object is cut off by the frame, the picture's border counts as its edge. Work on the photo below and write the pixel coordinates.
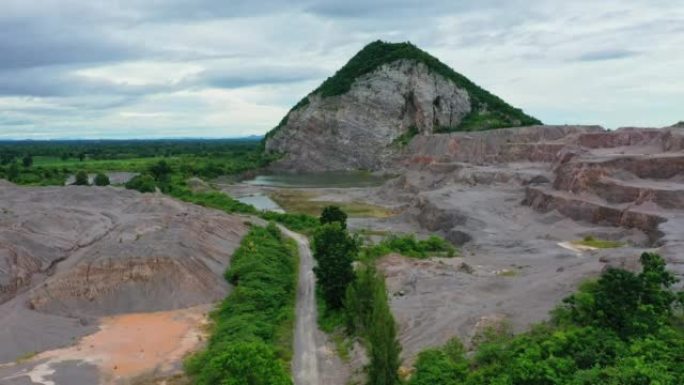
(210, 68)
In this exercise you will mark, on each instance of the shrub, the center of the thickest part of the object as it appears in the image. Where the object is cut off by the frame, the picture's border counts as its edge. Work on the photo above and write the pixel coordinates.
(81, 179)
(627, 303)
(144, 183)
(409, 246)
(404, 139)
(13, 172)
(27, 161)
(332, 214)
(247, 343)
(443, 366)
(101, 179)
(369, 316)
(334, 250)
(160, 171)
(244, 363)
(617, 330)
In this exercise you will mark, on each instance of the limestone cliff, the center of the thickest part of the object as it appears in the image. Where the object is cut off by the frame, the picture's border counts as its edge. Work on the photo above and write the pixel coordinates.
(386, 94)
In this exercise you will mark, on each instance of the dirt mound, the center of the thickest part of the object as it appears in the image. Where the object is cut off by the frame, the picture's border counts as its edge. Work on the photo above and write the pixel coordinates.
(75, 253)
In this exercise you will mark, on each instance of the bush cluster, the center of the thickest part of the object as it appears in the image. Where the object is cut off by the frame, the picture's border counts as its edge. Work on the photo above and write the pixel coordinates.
(621, 329)
(409, 246)
(357, 296)
(251, 339)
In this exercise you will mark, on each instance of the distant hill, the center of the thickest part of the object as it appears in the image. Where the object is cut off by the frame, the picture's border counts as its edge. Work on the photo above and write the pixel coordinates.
(385, 94)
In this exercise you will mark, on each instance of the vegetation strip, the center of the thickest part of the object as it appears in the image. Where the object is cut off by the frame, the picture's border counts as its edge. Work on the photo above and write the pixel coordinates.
(251, 338)
(622, 329)
(591, 241)
(354, 300)
(306, 202)
(52, 162)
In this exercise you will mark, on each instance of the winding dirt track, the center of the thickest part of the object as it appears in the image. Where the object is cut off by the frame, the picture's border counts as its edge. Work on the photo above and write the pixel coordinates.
(305, 366)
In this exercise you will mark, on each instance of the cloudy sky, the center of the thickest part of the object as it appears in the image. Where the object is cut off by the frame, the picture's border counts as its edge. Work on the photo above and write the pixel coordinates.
(217, 68)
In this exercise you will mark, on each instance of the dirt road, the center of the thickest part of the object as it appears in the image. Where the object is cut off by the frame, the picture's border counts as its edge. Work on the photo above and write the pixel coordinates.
(305, 367)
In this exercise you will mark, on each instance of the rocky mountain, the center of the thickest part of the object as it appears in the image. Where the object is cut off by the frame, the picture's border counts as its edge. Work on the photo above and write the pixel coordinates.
(385, 95)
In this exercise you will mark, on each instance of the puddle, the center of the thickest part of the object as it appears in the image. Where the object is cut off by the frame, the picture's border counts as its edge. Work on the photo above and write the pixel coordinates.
(261, 202)
(338, 179)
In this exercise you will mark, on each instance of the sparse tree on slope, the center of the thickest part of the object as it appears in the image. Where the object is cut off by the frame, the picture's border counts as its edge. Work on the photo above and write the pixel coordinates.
(13, 172)
(27, 161)
(81, 179)
(160, 171)
(385, 348)
(332, 214)
(101, 180)
(334, 250)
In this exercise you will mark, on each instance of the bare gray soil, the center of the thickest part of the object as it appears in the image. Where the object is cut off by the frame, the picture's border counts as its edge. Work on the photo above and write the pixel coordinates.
(71, 255)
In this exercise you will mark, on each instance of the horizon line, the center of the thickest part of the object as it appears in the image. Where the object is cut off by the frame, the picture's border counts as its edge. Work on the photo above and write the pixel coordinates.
(132, 138)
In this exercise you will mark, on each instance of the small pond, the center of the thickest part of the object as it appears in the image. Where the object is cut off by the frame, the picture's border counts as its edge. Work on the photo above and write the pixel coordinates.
(261, 202)
(339, 179)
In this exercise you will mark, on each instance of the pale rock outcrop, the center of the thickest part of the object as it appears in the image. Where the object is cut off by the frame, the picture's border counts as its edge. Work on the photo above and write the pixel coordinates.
(356, 130)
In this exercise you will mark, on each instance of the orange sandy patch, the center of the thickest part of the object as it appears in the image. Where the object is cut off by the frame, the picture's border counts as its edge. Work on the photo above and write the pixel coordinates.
(131, 345)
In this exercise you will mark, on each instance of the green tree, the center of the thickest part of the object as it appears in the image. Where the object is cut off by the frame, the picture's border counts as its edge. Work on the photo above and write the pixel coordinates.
(368, 315)
(334, 250)
(359, 299)
(143, 183)
(27, 160)
(160, 171)
(81, 179)
(81, 156)
(13, 172)
(382, 336)
(101, 179)
(332, 214)
(629, 304)
(244, 363)
(6, 159)
(444, 366)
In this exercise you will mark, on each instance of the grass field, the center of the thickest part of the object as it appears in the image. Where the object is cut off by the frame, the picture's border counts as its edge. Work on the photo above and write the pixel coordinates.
(51, 163)
(305, 202)
(598, 243)
(92, 165)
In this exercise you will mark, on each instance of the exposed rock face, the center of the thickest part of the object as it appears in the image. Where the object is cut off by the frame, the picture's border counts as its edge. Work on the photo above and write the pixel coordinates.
(531, 144)
(355, 130)
(631, 177)
(514, 200)
(386, 92)
(87, 251)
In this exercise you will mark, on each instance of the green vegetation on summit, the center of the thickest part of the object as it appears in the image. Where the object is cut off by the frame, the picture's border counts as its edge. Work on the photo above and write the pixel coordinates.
(488, 110)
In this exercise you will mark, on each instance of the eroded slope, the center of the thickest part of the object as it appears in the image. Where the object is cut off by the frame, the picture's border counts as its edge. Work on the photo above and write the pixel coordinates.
(71, 254)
